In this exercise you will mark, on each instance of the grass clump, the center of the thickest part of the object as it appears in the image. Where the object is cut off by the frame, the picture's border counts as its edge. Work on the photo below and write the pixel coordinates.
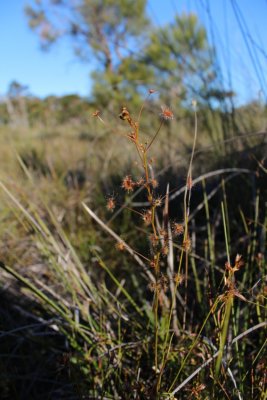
(160, 293)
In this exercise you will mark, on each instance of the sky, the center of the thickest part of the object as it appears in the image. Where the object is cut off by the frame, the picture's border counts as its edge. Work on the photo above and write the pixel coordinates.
(240, 41)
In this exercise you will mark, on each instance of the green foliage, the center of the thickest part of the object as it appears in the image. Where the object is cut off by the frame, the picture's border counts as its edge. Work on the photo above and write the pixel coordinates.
(127, 84)
(182, 60)
(130, 56)
(105, 29)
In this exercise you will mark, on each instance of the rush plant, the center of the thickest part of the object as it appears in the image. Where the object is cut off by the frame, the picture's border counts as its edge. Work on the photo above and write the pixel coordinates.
(156, 316)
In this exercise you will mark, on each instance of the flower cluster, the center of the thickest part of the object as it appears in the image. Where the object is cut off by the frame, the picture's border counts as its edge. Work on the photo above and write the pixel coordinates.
(166, 113)
(128, 184)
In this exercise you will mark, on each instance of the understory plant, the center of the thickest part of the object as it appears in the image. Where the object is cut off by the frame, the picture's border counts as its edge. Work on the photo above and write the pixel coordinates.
(156, 314)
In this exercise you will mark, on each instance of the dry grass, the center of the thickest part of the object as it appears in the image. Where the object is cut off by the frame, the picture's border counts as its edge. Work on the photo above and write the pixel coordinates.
(172, 310)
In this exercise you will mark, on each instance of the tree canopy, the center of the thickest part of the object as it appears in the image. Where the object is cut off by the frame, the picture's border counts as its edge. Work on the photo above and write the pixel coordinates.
(129, 54)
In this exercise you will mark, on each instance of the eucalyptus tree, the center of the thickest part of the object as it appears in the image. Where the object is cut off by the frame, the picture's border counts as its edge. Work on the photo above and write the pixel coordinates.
(107, 34)
(183, 61)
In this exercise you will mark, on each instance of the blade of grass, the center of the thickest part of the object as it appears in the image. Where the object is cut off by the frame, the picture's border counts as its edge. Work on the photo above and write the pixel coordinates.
(123, 290)
(236, 339)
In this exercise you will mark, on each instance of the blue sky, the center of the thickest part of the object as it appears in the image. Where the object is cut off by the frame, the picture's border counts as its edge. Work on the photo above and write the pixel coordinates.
(59, 72)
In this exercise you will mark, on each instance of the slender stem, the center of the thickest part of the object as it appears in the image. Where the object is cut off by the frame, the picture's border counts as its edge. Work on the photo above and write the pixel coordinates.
(225, 233)
(154, 137)
(193, 344)
(156, 310)
(223, 336)
(187, 196)
(186, 286)
(142, 107)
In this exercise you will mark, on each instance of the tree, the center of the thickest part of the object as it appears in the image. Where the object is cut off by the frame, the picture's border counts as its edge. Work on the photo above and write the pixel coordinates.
(184, 67)
(183, 61)
(129, 56)
(102, 31)
(16, 104)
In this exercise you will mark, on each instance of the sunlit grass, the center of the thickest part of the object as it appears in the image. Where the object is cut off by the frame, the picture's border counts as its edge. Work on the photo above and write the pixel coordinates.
(162, 313)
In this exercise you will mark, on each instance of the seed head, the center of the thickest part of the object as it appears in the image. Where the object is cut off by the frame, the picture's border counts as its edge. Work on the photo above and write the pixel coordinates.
(128, 184)
(153, 262)
(153, 240)
(164, 234)
(124, 114)
(120, 246)
(187, 244)
(238, 264)
(166, 113)
(238, 261)
(111, 204)
(147, 217)
(164, 283)
(178, 279)
(177, 229)
(96, 113)
(154, 183)
(132, 136)
(140, 182)
(157, 202)
(165, 249)
(154, 286)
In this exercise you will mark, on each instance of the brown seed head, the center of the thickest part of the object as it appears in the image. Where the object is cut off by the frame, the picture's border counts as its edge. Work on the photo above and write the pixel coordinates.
(147, 217)
(124, 114)
(153, 240)
(238, 262)
(96, 113)
(165, 249)
(187, 244)
(164, 234)
(128, 184)
(177, 229)
(154, 286)
(111, 204)
(157, 202)
(178, 279)
(140, 182)
(153, 263)
(228, 266)
(120, 246)
(166, 113)
(154, 183)
(132, 136)
(164, 283)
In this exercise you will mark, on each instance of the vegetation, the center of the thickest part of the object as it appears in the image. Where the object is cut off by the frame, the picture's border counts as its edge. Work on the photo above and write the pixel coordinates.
(133, 255)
